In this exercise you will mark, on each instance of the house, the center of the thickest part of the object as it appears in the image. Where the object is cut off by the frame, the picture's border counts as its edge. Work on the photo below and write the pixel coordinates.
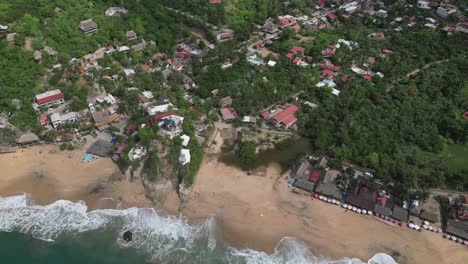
(139, 47)
(249, 119)
(11, 38)
(131, 35)
(377, 36)
(254, 60)
(129, 73)
(224, 36)
(116, 11)
(37, 56)
(458, 229)
(51, 52)
(28, 139)
(136, 153)
(381, 13)
(58, 119)
(444, 12)
(50, 98)
(184, 157)
(225, 102)
(286, 117)
(88, 26)
(185, 140)
(123, 49)
(462, 26)
(270, 27)
(170, 124)
(2, 27)
(162, 108)
(226, 65)
(423, 4)
(228, 113)
(329, 189)
(100, 148)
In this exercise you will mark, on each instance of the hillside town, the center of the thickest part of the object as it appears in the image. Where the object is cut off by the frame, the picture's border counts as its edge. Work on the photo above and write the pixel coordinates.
(158, 112)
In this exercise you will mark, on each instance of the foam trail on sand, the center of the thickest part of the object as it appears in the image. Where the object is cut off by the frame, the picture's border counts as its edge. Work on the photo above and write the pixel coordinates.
(166, 239)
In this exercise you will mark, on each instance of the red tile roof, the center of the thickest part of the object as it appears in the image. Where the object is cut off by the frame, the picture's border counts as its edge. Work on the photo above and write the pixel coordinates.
(344, 78)
(297, 28)
(290, 55)
(49, 98)
(289, 121)
(43, 119)
(315, 176)
(121, 148)
(266, 114)
(296, 49)
(289, 111)
(465, 115)
(331, 15)
(327, 72)
(284, 21)
(296, 60)
(215, 1)
(368, 77)
(156, 118)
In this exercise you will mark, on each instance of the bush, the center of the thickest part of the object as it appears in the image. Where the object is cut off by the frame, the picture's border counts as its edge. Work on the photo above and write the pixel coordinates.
(63, 146)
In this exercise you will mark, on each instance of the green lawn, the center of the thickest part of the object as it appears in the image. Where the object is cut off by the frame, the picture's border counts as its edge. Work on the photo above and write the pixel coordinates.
(456, 156)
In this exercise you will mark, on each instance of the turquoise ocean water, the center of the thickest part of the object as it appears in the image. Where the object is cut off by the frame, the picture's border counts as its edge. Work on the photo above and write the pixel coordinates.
(65, 233)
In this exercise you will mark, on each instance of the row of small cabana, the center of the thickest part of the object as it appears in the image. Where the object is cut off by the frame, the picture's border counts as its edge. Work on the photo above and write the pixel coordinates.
(426, 225)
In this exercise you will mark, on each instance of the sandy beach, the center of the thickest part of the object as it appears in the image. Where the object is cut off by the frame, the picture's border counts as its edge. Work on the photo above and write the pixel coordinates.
(253, 211)
(48, 174)
(258, 211)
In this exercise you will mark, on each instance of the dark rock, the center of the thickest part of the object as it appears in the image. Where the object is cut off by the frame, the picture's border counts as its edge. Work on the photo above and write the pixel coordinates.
(127, 236)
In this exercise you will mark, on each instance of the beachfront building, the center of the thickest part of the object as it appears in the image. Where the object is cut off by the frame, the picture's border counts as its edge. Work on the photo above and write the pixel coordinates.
(116, 11)
(170, 124)
(50, 98)
(58, 119)
(28, 139)
(286, 118)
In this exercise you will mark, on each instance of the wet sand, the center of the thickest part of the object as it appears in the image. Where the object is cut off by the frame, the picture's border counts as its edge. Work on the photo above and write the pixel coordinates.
(258, 211)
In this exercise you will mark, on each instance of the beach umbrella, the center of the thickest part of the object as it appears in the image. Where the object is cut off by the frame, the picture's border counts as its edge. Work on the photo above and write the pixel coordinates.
(439, 230)
(338, 202)
(329, 200)
(460, 240)
(358, 210)
(354, 209)
(402, 224)
(465, 243)
(446, 236)
(425, 226)
(345, 205)
(454, 238)
(364, 211)
(411, 225)
(426, 223)
(316, 195)
(321, 197)
(369, 213)
(334, 201)
(386, 218)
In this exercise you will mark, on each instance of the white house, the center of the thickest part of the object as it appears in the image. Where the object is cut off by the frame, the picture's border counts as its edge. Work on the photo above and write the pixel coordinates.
(445, 12)
(58, 119)
(159, 109)
(423, 4)
(185, 140)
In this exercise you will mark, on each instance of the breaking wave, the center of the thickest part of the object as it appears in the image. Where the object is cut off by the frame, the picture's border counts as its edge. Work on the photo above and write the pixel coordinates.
(165, 239)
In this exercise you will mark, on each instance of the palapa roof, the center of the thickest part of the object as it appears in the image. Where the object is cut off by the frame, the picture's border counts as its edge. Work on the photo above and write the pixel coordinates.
(28, 138)
(458, 228)
(304, 185)
(100, 148)
(400, 213)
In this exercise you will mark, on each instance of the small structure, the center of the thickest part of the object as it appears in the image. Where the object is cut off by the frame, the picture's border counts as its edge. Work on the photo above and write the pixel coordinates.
(159, 109)
(100, 148)
(444, 12)
(249, 119)
(139, 47)
(304, 185)
(11, 38)
(423, 4)
(226, 65)
(50, 98)
(88, 26)
(185, 140)
(28, 139)
(37, 56)
(224, 36)
(225, 102)
(228, 113)
(116, 11)
(184, 157)
(271, 63)
(381, 13)
(136, 153)
(170, 124)
(51, 52)
(131, 35)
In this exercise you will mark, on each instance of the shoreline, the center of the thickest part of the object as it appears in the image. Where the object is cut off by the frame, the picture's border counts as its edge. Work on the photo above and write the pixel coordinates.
(251, 211)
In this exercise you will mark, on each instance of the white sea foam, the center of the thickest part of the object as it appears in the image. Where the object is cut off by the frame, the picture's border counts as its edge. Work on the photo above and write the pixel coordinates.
(160, 236)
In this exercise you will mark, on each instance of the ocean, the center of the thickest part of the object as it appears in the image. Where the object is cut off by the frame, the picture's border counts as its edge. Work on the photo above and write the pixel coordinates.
(64, 232)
